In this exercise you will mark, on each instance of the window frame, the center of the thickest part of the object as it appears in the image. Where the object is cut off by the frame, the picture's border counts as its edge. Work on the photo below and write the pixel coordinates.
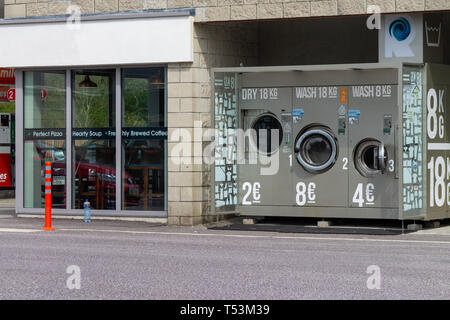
(118, 211)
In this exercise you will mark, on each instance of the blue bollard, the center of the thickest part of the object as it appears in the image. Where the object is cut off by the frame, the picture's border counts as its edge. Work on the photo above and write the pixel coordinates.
(87, 211)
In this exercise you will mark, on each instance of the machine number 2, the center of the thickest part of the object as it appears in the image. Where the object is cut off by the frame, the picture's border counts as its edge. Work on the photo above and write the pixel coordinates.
(391, 166)
(345, 164)
(305, 193)
(368, 198)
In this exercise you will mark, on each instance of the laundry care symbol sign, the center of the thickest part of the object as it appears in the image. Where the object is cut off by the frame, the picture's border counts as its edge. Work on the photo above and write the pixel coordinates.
(433, 34)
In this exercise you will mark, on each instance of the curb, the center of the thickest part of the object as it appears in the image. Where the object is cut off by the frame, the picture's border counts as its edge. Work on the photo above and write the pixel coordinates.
(148, 220)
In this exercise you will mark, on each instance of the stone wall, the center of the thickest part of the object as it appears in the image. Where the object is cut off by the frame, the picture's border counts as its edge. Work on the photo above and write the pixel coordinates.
(215, 10)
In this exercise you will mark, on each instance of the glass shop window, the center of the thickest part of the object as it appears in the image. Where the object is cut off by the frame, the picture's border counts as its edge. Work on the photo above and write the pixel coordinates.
(93, 139)
(143, 139)
(44, 136)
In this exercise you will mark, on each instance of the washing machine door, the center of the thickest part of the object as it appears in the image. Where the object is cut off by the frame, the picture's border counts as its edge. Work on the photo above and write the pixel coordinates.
(370, 157)
(267, 123)
(316, 149)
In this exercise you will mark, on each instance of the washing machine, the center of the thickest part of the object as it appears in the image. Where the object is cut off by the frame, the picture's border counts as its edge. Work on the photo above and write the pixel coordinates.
(345, 146)
(319, 170)
(373, 134)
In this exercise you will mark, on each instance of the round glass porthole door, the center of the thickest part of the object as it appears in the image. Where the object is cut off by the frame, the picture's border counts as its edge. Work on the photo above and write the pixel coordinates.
(316, 149)
(264, 127)
(370, 157)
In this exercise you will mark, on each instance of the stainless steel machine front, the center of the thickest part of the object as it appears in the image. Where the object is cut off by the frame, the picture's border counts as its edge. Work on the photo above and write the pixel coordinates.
(335, 148)
(343, 141)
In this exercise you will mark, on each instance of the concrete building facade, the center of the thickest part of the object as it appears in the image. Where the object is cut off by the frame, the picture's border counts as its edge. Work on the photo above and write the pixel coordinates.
(233, 33)
(232, 10)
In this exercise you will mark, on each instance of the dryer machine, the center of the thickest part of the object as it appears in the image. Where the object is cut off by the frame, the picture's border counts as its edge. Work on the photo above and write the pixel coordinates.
(264, 171)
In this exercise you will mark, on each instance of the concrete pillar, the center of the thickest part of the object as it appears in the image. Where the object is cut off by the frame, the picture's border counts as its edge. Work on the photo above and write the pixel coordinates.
(190, 117)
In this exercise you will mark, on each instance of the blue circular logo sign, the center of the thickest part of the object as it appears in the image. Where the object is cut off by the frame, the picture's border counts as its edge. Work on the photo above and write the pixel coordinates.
(400, 29)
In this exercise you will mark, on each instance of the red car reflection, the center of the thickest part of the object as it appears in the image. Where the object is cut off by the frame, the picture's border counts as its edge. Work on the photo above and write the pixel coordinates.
(94, 182)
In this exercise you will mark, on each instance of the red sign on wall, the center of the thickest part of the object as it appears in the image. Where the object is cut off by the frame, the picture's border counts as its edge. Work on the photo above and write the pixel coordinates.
(12, 94)
(43, 94)
(7, 76)
(5, 170)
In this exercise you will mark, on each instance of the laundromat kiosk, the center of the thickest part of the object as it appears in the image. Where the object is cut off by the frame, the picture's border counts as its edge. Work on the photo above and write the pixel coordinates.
(337, 141)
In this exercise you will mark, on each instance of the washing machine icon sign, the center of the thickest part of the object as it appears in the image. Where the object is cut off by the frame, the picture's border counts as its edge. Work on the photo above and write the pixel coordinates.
(353, 116)
(297, 115)
(400, 29)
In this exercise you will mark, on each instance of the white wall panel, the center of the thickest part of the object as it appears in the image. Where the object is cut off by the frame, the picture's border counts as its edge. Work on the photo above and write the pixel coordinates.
(97, 42)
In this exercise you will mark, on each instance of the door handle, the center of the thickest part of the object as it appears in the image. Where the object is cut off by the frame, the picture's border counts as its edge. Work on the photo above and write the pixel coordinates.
(381, 157)
(396, 152)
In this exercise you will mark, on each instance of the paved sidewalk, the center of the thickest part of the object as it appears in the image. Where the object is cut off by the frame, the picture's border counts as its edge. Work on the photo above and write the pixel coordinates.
(444, 230)
(7, 203)
(37, 223)
(9, 223)
(7, 206)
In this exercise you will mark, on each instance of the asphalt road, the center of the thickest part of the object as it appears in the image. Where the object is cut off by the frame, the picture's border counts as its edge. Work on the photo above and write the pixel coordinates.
(142, 261)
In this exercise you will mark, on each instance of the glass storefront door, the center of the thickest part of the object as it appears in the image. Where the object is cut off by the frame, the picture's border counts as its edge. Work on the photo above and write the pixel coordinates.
(93, 139)
(44, 136)
(143, 139)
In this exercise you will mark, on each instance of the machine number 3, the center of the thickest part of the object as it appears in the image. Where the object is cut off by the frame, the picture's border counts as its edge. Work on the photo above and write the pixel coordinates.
(345, 164)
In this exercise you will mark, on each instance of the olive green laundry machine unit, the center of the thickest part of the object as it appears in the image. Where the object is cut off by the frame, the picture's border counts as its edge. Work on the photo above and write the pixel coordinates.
(342, 141)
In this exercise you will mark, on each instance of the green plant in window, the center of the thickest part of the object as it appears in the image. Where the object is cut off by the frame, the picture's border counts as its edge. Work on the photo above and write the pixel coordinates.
(93, 106)
(7, 107)
(136, 102)
(54, 104)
